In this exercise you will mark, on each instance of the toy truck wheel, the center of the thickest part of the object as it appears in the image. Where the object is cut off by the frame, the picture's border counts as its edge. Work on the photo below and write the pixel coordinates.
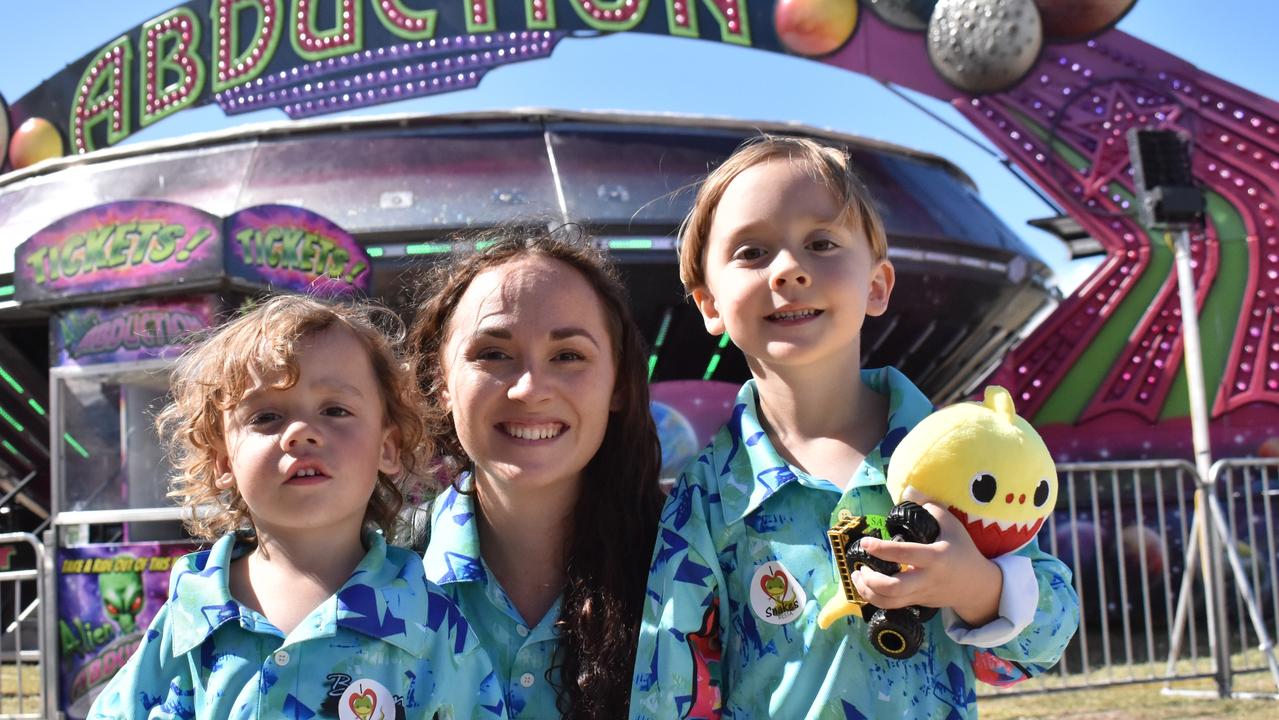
(912, 523)
(896, 633)
(856, 557)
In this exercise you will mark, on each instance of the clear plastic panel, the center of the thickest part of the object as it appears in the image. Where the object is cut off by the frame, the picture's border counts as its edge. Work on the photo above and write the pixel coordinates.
(112, 457)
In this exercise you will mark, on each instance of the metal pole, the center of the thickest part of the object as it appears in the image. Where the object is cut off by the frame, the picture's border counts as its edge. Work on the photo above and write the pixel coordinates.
(1218, 635)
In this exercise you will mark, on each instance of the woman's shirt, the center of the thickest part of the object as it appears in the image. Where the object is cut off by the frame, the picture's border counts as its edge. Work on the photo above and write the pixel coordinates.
(521, 655)
(386, 643)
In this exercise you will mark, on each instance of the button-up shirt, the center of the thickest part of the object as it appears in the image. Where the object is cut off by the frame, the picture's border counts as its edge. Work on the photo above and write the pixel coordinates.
(521, 655)
(386, 643)
(743, 565)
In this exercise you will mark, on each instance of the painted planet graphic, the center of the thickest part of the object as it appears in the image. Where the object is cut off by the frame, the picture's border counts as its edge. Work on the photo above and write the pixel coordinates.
(984, 46)
(814, 27)
(1079, 19)
(35, 139)
(904, 14)
(677, 437)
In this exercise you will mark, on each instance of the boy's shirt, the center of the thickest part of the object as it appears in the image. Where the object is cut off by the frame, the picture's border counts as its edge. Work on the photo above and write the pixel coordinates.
(742, 566)
(386, 645)
(521, 655)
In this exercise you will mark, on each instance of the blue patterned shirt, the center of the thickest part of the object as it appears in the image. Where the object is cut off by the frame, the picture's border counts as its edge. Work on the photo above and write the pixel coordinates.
(386, 645)
(522, 655)
(743, 565)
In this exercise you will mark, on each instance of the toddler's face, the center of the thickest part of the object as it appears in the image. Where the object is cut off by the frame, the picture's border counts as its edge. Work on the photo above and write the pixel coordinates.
(529, 374)
(787, 277)
(306, 458)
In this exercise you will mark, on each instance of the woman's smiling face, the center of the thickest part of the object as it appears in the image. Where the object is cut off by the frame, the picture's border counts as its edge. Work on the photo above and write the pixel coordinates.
(529, 375)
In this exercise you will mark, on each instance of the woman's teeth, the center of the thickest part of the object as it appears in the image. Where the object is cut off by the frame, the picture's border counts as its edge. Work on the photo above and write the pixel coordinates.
(533, 432)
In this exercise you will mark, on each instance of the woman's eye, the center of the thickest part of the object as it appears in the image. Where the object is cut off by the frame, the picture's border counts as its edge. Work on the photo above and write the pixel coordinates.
(569, 355)
(337, 412)
(491, 354)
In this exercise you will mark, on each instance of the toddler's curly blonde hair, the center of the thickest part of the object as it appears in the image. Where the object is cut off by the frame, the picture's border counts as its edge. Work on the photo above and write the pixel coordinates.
(214, 374)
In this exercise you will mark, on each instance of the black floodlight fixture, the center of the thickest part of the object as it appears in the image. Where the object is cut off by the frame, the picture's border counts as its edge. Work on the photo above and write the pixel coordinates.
(1167, 196)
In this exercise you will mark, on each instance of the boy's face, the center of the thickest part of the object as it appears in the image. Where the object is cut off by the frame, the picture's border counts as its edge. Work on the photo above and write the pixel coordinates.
(306, 458)
(786, 277)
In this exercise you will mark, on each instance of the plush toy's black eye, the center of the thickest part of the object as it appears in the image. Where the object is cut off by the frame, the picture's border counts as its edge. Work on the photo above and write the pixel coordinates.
(984, 487)
(1041, 493)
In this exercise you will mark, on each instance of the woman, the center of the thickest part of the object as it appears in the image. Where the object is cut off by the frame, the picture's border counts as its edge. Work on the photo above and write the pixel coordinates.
(535, 384)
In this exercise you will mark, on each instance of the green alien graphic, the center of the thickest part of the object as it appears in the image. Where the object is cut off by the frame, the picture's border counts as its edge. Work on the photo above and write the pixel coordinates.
(122, 596)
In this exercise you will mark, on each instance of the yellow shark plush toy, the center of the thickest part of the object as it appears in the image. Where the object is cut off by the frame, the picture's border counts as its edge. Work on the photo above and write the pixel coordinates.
(980, 461)
(985, 464)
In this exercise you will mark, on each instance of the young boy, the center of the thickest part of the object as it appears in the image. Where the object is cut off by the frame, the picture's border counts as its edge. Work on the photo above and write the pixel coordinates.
(785, 253)
(295, 426)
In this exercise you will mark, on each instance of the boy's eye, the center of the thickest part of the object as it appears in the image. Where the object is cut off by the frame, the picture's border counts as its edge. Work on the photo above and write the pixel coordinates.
(821, 244)
(263, 418)
(748, 253)
(336, 411)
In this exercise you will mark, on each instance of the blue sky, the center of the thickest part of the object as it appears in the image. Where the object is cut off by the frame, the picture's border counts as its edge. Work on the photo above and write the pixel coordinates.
(1233, 39)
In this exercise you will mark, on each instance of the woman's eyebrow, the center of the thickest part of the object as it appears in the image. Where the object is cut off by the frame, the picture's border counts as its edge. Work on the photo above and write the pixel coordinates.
(567, 332)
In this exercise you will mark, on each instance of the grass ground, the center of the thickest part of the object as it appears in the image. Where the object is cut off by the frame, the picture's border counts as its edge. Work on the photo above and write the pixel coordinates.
(1126, 702)
(9, 703)
(1143, 701)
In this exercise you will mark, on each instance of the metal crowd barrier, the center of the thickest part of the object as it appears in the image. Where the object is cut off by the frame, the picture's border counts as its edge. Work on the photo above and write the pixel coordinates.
(1127, 531)
(23, 668)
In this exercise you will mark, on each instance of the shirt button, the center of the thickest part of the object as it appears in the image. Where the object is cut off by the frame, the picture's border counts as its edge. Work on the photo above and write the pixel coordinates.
(526, 679)
(281, 657)
(521, 631)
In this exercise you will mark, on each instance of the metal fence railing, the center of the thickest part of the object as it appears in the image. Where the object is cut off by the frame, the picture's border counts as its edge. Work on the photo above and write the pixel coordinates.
(23, 668)
(1134, 534)
(1131, 534)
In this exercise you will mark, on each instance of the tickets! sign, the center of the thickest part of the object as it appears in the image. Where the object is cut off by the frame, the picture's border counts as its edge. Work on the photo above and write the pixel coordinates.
(118, 246)
(132, 248)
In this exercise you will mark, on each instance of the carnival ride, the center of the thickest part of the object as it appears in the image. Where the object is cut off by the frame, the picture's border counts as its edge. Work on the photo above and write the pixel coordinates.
(1051, 84)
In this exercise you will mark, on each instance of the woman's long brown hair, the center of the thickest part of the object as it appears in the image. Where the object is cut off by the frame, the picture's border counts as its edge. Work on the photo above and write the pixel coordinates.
(615, 518)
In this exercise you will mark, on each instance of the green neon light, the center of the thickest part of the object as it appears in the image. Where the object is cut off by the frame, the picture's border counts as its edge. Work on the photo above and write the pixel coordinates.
(719, 353)
(630, 244)
(12, 383)
(710, 367)
(374, 251)
(75, 445)
(661, 338)
(6, 290)
(482, 245)
(9, 446)
(427, 249)
(9, 419)
(35, 406)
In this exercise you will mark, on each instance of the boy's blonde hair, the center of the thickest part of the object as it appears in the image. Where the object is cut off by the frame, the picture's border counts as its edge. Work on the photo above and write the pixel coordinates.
(213, 376)
(827, 165)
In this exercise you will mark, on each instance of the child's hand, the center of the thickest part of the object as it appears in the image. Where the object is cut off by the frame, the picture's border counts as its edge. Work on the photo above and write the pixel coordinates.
(950, 572)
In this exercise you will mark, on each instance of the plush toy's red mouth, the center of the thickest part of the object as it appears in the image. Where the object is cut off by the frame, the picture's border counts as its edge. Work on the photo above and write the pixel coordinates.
(992, 539)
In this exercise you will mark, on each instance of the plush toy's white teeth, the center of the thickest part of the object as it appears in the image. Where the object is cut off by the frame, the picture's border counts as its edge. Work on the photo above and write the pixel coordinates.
(1006, 525)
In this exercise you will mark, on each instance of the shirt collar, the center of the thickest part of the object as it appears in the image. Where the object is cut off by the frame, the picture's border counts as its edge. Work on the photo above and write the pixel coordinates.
(381, 599)
(753, 470)
(453, 554)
